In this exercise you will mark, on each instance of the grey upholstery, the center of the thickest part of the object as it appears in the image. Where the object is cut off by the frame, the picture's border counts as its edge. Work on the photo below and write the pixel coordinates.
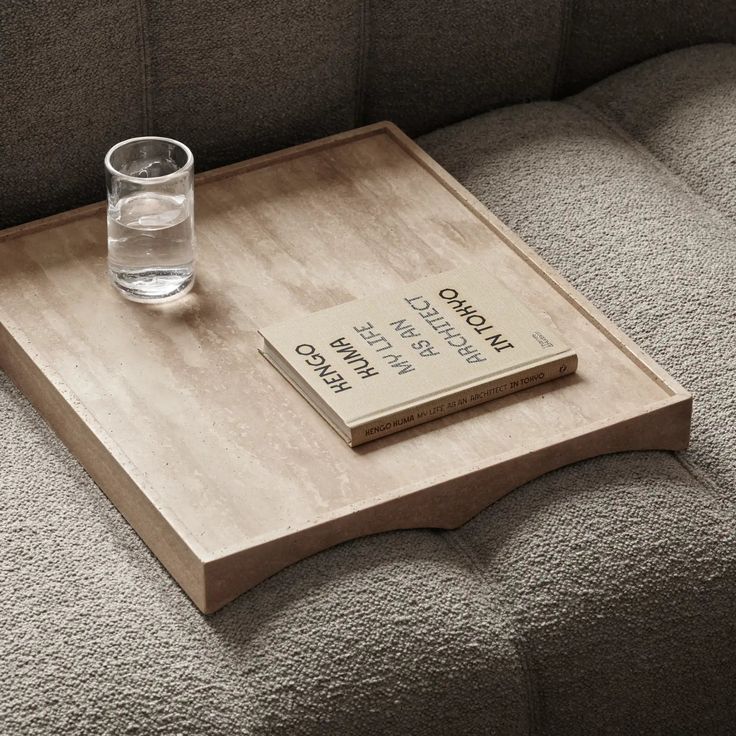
(606, 36)
(621, 572)
(232, 79)
(600, 598)
(62, 101)
(431, 63)
(647, 197)
(237, 78)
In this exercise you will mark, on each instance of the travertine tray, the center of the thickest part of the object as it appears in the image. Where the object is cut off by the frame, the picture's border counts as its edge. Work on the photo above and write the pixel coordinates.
(220, 466)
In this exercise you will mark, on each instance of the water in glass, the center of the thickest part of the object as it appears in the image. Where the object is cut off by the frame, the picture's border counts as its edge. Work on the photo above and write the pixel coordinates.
(151, 245)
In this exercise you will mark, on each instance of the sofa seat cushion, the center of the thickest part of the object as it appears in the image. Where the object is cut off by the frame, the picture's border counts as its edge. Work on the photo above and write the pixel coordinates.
(597, 599)
(652, 248)
(619, 573)
(687, 124)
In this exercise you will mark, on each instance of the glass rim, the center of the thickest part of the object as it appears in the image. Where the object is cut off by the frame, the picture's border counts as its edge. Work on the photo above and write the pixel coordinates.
(149, 179)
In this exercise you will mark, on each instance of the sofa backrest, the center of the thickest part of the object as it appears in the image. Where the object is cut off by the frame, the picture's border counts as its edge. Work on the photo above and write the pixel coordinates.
(235, 78)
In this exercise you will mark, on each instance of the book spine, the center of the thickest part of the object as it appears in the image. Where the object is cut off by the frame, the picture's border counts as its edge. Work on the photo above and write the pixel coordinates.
(449, 404)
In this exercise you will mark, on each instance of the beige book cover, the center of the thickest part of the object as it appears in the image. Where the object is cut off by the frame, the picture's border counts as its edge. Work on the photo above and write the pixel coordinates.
(377, 365)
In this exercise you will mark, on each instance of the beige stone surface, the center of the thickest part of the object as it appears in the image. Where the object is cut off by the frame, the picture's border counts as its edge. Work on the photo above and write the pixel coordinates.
(221, 467)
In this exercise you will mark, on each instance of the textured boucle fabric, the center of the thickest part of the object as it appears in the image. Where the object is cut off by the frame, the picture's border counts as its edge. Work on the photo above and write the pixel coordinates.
(618, 576)
(654, 256)
(392, 634)
(598, 599)
(431, 63)
(606, 36)
(70, 87)
(236, 79)
(689, 124)
(620, 573)
(231, 79)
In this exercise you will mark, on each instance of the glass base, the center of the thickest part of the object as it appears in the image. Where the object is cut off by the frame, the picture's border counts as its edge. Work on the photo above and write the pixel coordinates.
(153, 285)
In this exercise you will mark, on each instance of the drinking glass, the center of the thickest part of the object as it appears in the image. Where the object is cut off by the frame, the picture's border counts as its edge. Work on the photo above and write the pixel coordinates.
(150, 218)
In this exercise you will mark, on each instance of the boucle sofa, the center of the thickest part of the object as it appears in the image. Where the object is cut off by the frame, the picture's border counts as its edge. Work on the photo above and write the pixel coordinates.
(598, 599)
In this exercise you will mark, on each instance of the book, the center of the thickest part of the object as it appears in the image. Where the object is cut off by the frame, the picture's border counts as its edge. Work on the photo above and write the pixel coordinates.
(375, 366)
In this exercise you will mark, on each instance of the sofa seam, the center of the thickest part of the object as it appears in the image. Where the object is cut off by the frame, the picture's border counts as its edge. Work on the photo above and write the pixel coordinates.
(566, 25)
(451, 539)
(715, 489)
(595, 112)
(360, 93)
(145, 60)
(715, 486)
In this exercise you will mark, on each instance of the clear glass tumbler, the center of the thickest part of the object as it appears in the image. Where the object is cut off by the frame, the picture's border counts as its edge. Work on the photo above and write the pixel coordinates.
(150, 218)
